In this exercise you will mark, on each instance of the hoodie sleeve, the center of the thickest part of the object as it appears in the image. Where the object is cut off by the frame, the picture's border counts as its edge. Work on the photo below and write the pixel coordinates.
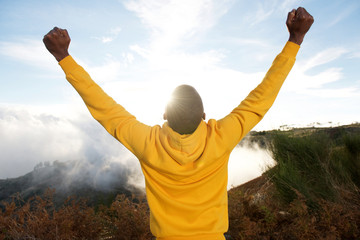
(253, 108)
(112, 116)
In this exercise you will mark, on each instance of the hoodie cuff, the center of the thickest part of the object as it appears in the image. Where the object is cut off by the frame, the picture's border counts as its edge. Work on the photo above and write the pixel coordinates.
(68, 64)
(290, 49)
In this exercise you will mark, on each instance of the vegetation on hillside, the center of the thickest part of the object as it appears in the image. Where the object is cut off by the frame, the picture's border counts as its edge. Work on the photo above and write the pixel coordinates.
(316, 166)
(38, 218)
(313, 192)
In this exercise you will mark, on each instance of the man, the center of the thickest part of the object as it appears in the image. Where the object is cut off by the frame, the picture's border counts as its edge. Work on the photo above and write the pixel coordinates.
(185, 160)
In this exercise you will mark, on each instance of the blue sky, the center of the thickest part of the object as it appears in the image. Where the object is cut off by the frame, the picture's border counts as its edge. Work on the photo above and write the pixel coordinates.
(139, 50)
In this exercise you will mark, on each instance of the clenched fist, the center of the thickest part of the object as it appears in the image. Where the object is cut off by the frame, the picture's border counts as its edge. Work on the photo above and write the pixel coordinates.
(57, 41)
(298, 23)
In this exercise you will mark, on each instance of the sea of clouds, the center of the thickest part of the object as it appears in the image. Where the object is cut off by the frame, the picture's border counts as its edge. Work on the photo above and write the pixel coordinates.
(29, 138)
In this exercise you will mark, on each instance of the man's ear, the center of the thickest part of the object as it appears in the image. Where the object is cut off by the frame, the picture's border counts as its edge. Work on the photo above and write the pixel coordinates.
(204, 116)
(164, 116)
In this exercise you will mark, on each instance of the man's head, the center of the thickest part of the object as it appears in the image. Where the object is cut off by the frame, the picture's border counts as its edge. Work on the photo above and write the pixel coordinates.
(185, 110)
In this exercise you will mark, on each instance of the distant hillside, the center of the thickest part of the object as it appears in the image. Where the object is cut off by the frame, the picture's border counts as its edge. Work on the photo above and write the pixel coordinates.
(263, 138)
(58, 176)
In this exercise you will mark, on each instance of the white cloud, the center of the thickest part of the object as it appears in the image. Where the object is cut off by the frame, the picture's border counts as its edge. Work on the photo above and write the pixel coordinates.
(349, 92)
(322, 57)
(265, 9)
(355, 55)
(301, 82)
(344, 13)
(288, 5)
(111, 35)
(316, 85)
(128, 58)
(246, 163)
(29, 137)
(171, 22)
(249, 42)
(107, 39)
(115, 31)
(32, 52)
(140, 51)
(109, 71)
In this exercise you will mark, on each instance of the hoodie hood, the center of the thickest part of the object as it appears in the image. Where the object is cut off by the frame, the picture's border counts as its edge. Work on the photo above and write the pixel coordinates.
(184, 148)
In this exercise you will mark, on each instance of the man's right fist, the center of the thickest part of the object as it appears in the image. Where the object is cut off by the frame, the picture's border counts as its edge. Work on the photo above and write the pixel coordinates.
(298, 22)
(57, 41)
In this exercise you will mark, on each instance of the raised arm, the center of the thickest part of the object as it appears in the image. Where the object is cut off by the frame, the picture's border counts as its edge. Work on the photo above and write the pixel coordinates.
(112, 116)
(253, 108)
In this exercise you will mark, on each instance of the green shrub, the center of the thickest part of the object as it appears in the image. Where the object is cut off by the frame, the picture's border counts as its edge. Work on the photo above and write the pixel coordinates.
(315, 166)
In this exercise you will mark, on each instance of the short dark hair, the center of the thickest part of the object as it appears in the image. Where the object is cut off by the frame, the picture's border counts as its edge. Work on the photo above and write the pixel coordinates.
(185, 109)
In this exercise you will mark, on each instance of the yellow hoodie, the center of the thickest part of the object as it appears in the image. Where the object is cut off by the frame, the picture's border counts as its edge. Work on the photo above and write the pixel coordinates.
(185, 175)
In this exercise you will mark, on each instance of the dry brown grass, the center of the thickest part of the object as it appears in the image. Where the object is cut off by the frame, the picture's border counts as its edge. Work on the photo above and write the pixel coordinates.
(126, 219)
(252, 216)
(39, 219)
(265, 219)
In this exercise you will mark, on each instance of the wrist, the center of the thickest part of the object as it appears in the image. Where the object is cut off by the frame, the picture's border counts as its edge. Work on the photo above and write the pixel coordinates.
(296, 39)
(60, 56)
